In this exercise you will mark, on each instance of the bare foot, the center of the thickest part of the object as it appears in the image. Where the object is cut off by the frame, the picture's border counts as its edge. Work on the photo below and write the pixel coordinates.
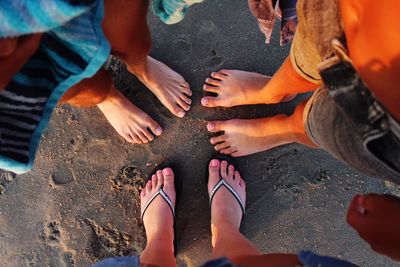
(245, 137)
(158, 219)
(128, 120)
(169, 86)
(225, 209)
(235, 88)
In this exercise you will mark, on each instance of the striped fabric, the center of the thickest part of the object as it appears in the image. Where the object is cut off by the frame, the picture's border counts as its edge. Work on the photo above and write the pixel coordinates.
(73, 48)
(172, 11)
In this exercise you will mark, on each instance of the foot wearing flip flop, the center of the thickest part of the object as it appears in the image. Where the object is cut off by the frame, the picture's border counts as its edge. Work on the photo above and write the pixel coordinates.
(227, 198)
(235, 88)
(157, 201)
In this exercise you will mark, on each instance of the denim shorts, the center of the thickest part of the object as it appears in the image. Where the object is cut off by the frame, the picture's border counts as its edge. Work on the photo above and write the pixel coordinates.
(345, 120)
(307, 259)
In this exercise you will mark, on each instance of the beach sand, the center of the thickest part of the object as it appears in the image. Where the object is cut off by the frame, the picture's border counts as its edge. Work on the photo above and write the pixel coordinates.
(80, 203)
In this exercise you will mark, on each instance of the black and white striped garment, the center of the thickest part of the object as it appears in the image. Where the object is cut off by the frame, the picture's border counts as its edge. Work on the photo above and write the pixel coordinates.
(66, 55)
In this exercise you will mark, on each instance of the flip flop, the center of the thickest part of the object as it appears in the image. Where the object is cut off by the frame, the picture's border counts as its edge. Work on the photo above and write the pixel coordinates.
(167, 199)
(178, 195)
(222, 183)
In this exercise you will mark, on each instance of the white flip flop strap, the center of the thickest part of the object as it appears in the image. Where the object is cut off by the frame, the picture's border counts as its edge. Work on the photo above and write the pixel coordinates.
(222, 182)
(164, 196)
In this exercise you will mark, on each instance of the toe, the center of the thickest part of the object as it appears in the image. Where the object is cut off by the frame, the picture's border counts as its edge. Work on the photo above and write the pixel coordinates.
(231, 172)
(224, 166)
(212, 81)
(211, 88)
(148, 135)
(210, 101)
(186, 99)
(225, 72)
(177, 111)
(218, 75)
(143, 192)
(238, 177)
(153, 181)
(221, 146)
(218, 139)
(242, 183)
(215, 126)
(213, 170)
(136, 139)
(129, 138)
(183, 104)
(160, 179)
(186, 90)
(142, 137)
(155, 128)
(227, 151)
(169, 182)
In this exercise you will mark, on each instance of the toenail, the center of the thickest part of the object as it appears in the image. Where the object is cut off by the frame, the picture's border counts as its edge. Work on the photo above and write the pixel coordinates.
(167, 171)
(204, 101)
(158, 131)
(214, 163)
(181, 114)
(211, 126)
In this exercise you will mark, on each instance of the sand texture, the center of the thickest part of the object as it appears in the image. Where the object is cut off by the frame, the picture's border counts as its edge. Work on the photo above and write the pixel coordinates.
(80, 204)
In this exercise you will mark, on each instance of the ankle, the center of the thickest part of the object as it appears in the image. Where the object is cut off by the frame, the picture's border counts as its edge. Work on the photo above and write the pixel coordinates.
(160, 235)
(221, 231)
(138, 69)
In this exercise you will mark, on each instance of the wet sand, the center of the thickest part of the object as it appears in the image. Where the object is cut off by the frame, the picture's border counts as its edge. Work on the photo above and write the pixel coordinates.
(80, 204)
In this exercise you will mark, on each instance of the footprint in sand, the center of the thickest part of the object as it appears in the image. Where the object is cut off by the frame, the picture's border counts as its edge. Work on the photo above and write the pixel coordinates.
(62, 175)
(5, 179)
(110, 242)
(128, 177)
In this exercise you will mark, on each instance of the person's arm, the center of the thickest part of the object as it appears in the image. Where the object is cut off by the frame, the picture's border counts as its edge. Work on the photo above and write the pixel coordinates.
(377, 220)
(14, 53)
(286, 81)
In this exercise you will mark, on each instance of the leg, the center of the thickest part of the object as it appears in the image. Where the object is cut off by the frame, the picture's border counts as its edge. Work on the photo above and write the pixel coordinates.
(245, 137)
(129, 121)
(226, 213)
(125, 26)
(235, 87)
(158, 221)
(226, 216)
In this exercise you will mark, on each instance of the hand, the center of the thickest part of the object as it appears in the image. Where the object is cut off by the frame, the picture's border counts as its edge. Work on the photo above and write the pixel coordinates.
(377, 220)
(14, 53)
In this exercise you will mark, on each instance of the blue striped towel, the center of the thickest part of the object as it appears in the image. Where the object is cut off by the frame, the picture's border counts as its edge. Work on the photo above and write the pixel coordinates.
(172, 11)
(73, 48)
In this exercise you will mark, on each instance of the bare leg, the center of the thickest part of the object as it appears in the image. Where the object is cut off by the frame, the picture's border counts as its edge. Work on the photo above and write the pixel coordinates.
(226, 213)
(158, 221)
